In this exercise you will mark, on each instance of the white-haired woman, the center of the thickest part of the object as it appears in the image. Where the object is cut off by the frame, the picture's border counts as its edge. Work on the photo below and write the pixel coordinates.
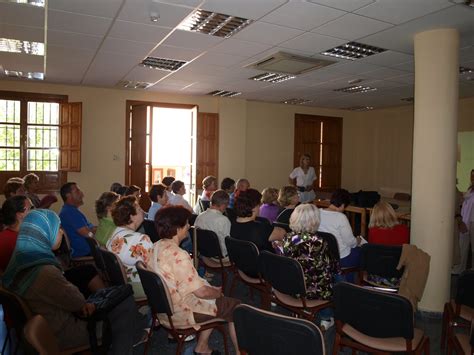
(313, 253)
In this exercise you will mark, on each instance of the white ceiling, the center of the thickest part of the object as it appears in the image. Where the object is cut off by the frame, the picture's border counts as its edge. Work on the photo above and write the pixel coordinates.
(100, 43)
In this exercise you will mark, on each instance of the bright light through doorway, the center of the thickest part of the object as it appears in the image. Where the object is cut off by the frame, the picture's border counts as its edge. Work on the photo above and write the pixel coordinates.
(173, 147)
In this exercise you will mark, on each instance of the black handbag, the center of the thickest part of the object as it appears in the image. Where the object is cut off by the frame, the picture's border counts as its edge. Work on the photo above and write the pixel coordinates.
(105, 300)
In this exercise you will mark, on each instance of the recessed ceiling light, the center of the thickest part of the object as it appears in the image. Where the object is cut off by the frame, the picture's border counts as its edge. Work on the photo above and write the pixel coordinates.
(359, 108)
(465, 70)
(24, 75)
(163, 63)
(356, 89)
(353, 51)
(272, 77)
(130, 84)
(296, 101)
(408, 99)
(39, 3)
(223, 93)
(213, 23)
(17, 46)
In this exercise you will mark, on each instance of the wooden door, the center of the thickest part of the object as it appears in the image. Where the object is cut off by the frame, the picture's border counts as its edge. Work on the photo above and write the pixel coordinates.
(207, 146)
(321, 138)
(70, 137)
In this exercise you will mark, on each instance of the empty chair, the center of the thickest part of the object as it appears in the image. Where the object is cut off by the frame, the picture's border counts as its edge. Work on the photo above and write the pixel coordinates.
(159, 301)
(66, 244)
(211, 253)
(244, 257)
(402, 196)
(286, 277)
(375, 321)
(462, 343)
(378, 265)
(95, 253)
(460, 311)
(264, 332)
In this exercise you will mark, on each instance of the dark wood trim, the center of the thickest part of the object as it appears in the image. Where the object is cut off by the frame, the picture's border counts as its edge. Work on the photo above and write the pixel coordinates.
(129, 103)
(30, 96)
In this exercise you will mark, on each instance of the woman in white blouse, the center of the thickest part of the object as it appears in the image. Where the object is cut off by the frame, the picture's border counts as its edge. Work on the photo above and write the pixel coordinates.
(303, 178)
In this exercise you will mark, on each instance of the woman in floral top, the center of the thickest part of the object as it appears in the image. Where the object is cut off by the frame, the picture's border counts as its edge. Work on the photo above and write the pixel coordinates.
(194, 300)
(312, 252)
(130, 246)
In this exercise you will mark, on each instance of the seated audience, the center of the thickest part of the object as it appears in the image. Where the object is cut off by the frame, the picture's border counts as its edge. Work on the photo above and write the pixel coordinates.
(75, 224)
(14, 210)
(312, 252)
(13, 187)
(242, 185)
(133, 190)
(177, 198)
(103, 207)
(130, 246)
(115, 187)
(36, 276)
(288, 199)
(270, 208)
(193, 299)
(122, 190)
(214, 220)
(209, 185)
(31, 188)
(159, 198)
(334, 221)
(384, 227)
(167, 181)
(228, 185)
(246, 227)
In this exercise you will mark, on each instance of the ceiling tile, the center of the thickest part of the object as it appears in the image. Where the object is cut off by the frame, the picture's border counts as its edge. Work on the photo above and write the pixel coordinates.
(73, 40)
(70, 22)
(139, 11)
(177, 53)
(192, 40)
(23, 33)
(384, 73)
(22, 62)
(238, 47)
(21, 15)
(388, 59)
(404, 79)
(149, 75)
(102, 8)
(219, 59)
(67, 65)
(352, 27)
(249, 9)
(312, 42)
(127, 47)
(134, 31)
(408, 66)
(346, 5)
(267, 33)
(355, 67)
(302, 15)
(400, 11)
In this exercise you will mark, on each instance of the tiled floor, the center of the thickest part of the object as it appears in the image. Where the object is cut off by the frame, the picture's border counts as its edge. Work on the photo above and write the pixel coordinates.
(429, 323)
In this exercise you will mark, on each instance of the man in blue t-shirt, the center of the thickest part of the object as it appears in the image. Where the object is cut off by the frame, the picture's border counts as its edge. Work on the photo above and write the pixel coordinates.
(74, 223)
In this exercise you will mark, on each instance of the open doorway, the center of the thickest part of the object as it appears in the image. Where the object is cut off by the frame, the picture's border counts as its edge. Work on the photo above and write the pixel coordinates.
(173, 147)
(169, 139)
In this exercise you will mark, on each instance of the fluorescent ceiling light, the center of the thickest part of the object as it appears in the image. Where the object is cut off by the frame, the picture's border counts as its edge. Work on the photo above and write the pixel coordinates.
(213, 23)
(223, 93)
(24, 75)
(465, 70)
(359, 108)
(163, 63)
(129, 84)
(356, 89)
(24, 47)
(272, 77)
(353, 51)
(296, 101)
(39, 3)
(408, 99)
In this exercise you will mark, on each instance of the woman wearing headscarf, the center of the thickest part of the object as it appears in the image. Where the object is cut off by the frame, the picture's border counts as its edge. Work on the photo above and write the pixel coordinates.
(35, 275)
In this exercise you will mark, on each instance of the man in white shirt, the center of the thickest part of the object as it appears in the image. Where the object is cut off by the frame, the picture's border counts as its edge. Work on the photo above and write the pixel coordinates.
(214, 220)
(177, 198)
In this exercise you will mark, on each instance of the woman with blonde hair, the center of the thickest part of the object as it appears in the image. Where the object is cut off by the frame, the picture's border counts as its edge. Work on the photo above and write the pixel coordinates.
(384, 227)
(303, 177)
(270, 208)
(288, 199)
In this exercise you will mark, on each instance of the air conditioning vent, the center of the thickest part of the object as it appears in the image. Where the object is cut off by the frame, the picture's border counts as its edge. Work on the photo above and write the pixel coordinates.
(288, 63)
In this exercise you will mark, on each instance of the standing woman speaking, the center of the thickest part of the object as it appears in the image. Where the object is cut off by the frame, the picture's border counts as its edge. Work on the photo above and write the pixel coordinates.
(303, 178)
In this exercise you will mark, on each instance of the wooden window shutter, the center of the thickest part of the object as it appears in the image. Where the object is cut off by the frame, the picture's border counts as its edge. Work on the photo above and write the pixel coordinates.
(70, 137)
(138, 138)
(207, 146)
